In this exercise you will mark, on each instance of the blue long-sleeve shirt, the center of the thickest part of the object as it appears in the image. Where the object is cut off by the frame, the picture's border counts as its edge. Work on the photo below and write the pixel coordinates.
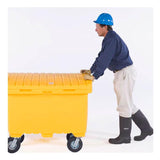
(114, 55)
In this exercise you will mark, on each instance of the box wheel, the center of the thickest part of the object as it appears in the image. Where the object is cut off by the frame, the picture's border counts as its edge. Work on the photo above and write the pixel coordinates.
(69, 135)
(22, 138)
(74, 144)
(13, 144)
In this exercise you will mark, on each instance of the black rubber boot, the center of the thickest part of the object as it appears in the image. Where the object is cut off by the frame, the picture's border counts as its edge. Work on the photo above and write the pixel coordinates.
(125, 131)
(141, 121)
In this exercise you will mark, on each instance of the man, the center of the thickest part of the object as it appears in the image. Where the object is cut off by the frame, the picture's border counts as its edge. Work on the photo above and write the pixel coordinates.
(114, 55)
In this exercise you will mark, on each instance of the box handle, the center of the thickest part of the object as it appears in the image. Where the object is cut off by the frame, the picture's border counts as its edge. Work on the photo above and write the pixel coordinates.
(68, 90)
(47, 92)
(25, 90)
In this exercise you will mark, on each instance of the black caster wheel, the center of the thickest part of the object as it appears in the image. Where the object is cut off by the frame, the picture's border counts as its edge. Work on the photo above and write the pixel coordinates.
(21, 138)
(69, 135)
(74, 144)
(13, 144)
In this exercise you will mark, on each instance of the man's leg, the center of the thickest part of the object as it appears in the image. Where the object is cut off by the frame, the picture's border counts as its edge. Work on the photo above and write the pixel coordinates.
(143, 124)
(124, 101)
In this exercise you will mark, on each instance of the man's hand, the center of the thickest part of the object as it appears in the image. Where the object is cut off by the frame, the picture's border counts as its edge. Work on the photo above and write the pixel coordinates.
(84, 71)
(88, 77)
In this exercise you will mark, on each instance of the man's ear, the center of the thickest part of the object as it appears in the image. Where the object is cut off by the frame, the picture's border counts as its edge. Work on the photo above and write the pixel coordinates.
(106, 28)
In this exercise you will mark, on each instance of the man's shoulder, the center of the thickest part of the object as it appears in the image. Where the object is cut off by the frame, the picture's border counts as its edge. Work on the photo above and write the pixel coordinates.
(111, 35)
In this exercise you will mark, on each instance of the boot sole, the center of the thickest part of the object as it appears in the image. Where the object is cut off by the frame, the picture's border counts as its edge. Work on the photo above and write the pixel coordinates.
(125, 142)
(149, 134)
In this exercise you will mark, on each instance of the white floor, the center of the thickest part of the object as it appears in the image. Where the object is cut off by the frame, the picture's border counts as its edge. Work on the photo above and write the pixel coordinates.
(93, 142)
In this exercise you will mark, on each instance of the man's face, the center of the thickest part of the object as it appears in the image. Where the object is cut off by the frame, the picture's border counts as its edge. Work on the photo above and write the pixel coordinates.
(101, 30)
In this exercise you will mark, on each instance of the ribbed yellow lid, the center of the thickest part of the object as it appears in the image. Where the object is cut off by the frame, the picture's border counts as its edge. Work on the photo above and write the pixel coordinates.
(39, 83)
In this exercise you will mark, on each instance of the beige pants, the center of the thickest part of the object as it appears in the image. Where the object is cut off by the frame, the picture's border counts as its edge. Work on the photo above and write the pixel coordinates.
(124, 81)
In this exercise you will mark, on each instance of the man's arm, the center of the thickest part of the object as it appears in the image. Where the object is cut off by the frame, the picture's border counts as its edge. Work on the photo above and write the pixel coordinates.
(105, 56)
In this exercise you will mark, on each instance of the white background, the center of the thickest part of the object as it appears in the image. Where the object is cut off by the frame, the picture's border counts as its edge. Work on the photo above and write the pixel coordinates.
(91, 155)
(64, 40)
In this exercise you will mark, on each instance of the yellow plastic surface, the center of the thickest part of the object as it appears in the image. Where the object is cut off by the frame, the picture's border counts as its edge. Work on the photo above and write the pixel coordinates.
(47, 103)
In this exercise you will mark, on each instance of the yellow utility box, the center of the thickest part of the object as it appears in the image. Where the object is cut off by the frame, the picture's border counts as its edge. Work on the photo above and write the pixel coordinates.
(47, 103)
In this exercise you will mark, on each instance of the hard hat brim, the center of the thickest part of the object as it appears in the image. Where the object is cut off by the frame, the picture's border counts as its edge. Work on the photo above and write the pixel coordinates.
(98, 22)
(103, 23)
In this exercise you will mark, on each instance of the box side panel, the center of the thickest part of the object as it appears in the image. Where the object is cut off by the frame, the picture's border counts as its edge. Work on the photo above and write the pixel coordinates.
(47, 114)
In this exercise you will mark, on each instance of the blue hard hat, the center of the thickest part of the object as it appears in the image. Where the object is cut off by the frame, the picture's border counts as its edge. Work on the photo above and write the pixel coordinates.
(105, 19)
